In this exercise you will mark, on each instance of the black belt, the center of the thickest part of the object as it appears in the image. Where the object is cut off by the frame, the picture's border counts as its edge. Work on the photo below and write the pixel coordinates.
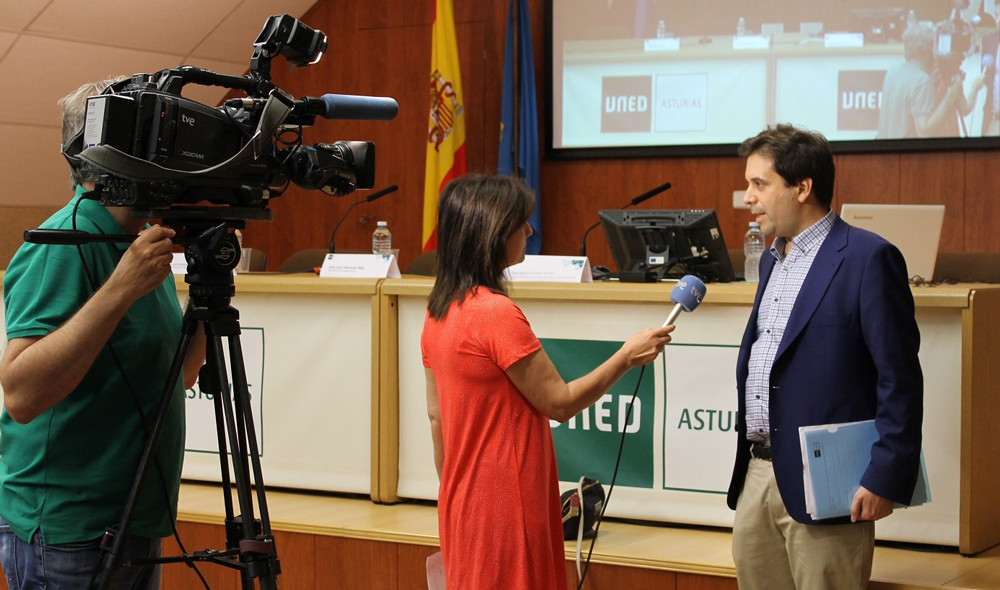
(760, 451)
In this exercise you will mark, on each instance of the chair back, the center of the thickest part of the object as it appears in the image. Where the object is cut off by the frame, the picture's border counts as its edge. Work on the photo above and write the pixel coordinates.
(304, 260)
(425, 264)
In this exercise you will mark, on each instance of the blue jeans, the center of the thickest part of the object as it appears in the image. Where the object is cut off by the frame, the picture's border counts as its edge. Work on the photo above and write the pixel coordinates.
(70, 566)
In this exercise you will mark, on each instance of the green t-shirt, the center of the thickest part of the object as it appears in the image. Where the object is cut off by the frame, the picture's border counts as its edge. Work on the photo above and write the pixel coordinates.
(68, 472)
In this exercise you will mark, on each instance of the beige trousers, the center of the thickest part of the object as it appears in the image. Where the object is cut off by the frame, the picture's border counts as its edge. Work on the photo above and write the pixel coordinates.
(774, 552)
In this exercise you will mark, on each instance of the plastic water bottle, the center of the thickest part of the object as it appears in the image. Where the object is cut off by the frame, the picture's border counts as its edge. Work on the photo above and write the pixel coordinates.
(741, 27)
(661, 30)
(382, 239)
(753, 248)
(911, 19)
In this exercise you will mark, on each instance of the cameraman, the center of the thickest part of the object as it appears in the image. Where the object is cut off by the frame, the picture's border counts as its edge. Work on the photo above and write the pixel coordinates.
(92, 331)
(909, 108)
(949, 78)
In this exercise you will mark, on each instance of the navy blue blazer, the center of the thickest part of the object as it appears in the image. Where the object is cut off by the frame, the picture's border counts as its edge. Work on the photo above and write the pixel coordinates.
(849, 353)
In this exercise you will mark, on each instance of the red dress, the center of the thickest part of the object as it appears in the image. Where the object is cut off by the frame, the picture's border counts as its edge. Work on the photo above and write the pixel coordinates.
(498, 504)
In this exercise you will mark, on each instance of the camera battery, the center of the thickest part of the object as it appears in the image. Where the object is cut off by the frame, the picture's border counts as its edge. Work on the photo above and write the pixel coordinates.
(109, 121)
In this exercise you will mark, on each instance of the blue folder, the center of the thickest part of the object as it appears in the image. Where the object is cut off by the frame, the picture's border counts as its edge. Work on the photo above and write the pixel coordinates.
(834, 458)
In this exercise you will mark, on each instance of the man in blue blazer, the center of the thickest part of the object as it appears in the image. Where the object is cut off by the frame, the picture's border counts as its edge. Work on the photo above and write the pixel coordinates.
(832, 338)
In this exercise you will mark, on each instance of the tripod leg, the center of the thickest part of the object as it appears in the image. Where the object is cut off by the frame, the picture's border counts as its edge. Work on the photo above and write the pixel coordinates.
(208, 382)
(241, 475)
(111, 559)
(258, 553)
(240, 384)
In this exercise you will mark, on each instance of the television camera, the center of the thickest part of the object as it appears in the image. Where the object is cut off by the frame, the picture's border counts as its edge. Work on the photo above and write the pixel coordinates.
(161, 153)
(954, 40)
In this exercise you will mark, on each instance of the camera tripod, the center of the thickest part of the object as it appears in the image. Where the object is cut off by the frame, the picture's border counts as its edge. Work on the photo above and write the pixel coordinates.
(211, 257)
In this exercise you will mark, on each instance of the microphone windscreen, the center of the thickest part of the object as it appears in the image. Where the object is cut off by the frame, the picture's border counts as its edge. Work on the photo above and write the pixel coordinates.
(987, 61)
(688, 292)
(365, 108)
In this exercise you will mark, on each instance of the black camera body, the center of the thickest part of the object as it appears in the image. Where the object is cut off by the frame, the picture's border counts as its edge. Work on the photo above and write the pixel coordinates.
(953, 40)
(171, 131)
(158, 150)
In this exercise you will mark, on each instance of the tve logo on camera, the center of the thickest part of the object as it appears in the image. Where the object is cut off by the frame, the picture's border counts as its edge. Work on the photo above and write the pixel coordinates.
(625, 104)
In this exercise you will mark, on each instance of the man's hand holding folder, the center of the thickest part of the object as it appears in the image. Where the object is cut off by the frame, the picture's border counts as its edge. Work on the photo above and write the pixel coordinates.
(868, 505)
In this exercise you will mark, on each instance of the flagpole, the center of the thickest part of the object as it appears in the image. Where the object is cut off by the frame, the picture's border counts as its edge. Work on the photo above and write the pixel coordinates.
(516, 57)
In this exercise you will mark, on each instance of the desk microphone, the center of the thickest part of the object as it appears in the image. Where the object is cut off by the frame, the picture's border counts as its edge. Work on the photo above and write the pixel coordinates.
(643, 197)
(686, 296)
(368, 199)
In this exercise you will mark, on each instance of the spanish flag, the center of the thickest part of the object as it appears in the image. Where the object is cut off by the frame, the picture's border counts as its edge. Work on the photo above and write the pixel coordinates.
(446, 124)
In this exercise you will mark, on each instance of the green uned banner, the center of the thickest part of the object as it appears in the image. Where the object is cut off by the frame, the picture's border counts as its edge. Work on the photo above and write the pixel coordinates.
(587, 444)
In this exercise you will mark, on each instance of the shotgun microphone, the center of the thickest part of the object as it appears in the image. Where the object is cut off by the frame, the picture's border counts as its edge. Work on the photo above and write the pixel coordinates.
(347, 106)
(375, 195)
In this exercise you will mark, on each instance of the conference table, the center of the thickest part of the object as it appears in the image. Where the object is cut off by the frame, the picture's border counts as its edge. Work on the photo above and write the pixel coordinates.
(337, 387)
(680, 443)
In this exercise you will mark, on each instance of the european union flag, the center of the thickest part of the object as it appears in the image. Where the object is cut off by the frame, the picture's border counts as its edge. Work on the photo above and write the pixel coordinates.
(527, 136)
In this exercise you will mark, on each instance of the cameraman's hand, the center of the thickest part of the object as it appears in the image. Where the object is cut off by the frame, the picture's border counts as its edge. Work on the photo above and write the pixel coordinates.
(144, 265)
(645, 346)
(37, 373)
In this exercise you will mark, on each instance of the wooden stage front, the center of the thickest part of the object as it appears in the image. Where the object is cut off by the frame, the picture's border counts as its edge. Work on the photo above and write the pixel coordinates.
(328, 541)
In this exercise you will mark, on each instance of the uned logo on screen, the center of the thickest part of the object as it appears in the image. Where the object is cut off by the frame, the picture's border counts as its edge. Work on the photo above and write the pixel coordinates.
(625, 104)
(859, 101)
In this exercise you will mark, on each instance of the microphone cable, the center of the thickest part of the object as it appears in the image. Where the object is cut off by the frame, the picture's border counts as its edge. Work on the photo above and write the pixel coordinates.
(611, 487)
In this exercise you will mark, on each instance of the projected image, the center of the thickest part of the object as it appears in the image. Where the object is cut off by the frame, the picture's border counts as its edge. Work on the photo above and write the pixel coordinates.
(634, 73)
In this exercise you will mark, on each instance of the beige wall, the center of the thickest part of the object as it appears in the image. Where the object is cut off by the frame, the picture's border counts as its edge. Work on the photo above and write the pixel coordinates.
(15, 221)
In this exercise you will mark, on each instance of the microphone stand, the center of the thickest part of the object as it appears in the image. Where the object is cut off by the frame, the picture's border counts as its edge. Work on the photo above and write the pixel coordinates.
(643, 197)
(376, 195)
(333, 248)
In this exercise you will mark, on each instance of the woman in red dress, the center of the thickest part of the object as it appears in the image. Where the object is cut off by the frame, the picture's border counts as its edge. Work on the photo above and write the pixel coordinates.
(491, 391)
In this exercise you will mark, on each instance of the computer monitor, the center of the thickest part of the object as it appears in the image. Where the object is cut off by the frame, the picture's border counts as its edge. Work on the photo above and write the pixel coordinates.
(667, 243)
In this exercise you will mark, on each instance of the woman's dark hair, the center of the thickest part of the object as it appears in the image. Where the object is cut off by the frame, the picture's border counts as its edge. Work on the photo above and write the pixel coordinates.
(796, 156)
(476, 215)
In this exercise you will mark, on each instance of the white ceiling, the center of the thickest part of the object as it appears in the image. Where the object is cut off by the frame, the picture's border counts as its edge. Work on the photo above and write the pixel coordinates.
(48, 48)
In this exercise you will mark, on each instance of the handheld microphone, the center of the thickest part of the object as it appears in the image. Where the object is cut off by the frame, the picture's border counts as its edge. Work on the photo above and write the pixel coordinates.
(643, 197)
(375, 195)
(686, 296)
(987, 62)
(349, 106)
